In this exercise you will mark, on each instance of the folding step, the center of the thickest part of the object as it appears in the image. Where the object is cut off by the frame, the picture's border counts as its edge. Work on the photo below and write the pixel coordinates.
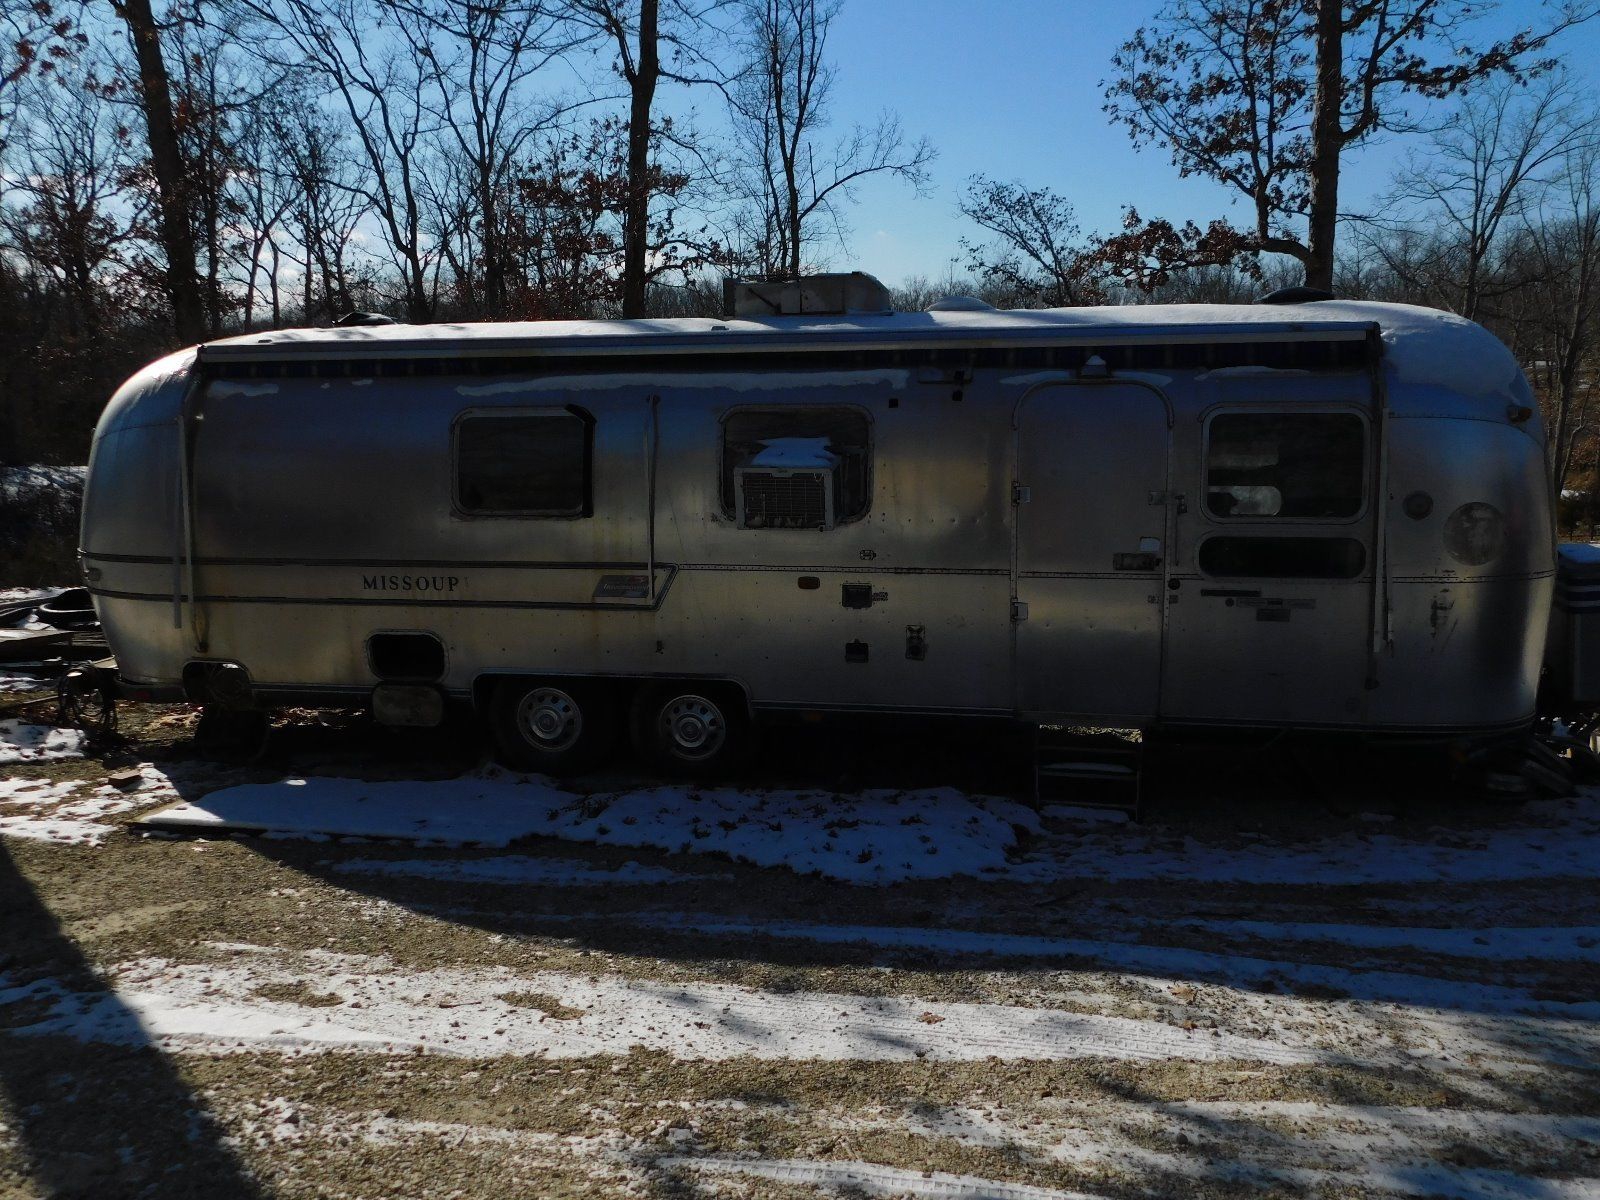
(1088, 769)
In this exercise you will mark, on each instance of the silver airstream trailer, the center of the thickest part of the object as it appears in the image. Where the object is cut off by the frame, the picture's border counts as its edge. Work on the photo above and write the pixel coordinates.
(1328, 515)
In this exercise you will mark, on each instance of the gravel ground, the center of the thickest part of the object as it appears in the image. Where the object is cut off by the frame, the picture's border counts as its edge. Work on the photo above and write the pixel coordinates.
(1256, 992)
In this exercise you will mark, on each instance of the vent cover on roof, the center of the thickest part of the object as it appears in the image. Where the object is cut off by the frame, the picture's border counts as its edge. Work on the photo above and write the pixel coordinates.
(816, 295)
(1296, 295)
(960, 304)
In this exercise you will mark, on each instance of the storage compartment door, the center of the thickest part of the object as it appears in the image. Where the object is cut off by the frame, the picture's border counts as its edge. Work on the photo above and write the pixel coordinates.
(1091, 534)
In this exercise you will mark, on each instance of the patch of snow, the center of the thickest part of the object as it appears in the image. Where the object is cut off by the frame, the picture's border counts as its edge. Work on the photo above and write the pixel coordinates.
(795, 452)
(73, 812)
(1579, 943)
(733, 381)
(1254, 369)
(871, 1179)
(873, 837)
(1549, 839)
(1174, 962)
(21, 681)
(20, 480)
(21, 742)
(1072, 812)
(516, 869)
(466, 1013)
(225, 388)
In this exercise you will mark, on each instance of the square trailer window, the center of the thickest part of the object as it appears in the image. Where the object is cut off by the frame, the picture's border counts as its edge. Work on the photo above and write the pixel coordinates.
(1291, 466)
(525, 463)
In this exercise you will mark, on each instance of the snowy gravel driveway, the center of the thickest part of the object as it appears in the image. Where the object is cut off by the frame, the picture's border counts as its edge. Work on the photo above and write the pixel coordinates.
(462, 981)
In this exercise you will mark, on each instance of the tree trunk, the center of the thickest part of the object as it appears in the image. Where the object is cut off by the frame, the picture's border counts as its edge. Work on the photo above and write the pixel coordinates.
(166, 160)
(1327, 138)
(636, 220)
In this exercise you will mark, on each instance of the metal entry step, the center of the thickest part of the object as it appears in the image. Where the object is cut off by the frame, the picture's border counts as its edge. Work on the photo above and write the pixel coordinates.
(1089, 769)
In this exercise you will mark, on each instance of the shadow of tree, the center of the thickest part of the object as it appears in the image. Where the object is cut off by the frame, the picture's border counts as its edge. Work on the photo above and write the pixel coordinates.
(95, 1119)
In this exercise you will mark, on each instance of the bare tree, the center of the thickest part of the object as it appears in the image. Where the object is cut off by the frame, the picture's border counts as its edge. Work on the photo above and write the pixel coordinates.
(170, 172)
(640, 30)
(72, 214)
(1036, 254)
(1478, 173)
(1558, 248)
(1267, 96)
(36, 38)
(383, 81)
(795, 183)
(480, 59)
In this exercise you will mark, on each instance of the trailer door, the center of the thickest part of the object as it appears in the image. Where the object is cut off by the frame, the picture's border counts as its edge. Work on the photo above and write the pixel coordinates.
(1090, 553)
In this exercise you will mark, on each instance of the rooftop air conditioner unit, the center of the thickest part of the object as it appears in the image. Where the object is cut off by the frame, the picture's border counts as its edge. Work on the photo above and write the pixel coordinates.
(811, 295)
(792, 483)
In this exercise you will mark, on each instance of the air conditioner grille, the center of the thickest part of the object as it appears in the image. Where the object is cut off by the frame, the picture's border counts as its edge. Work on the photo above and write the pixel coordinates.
(786, 500)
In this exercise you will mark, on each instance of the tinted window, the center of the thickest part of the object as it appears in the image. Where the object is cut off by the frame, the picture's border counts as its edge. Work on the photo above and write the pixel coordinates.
(535, 464)
(1283, 557)
(1297, 466)
(798, 440)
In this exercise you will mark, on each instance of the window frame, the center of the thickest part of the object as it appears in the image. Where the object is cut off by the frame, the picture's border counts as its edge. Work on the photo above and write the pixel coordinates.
(1274, 409)
(541, 411)
(728, 513)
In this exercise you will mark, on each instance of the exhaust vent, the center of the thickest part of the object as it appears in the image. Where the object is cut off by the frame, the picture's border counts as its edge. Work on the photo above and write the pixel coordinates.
(416, 657)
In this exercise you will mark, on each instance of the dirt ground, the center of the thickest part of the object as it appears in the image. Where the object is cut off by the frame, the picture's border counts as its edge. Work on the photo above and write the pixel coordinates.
(1261, 990)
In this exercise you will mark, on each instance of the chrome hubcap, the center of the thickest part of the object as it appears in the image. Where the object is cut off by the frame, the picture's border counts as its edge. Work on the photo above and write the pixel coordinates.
(550, 719)
(693, 727)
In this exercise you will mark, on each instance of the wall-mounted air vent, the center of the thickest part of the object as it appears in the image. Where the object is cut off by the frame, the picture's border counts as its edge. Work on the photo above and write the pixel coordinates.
(790, 483)
(775, 498)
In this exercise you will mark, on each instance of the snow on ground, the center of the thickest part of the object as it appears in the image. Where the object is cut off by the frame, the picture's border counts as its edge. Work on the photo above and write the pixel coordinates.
(1178, 962)
(20, 480)
(872, 1179)
(21, 742)
(882, 837)
(1579, 943)
(865, 837)
(1546, 839)
(14, 595)
(73, 811)
(473, 1012)
(1084, 1009)
(22, 681)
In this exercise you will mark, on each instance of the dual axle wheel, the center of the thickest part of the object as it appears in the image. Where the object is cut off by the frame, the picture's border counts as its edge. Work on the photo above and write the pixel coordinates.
(560, 727)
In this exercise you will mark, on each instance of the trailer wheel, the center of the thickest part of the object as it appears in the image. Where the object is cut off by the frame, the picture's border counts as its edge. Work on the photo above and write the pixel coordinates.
(551, 726)
(689, 729)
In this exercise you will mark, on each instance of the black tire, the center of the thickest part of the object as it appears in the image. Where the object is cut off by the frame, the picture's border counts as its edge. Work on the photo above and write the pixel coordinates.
(551, 726)
(691, 730)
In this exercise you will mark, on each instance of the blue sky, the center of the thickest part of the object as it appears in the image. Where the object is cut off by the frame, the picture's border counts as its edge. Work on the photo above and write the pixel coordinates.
(1011, 88)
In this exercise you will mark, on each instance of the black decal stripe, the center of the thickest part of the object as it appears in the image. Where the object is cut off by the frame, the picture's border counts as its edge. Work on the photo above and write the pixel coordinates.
(396, 602)
(425, 564)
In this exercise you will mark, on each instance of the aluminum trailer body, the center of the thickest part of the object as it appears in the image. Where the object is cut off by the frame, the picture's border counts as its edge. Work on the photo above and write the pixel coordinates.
(1332, 515)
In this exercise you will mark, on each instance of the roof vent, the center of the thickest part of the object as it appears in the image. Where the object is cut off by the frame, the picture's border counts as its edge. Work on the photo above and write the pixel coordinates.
(960, 304)
(810, 295)
(354, 317)
(1296, 295)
